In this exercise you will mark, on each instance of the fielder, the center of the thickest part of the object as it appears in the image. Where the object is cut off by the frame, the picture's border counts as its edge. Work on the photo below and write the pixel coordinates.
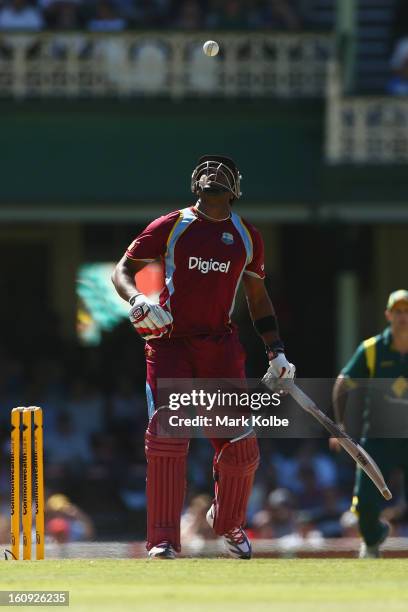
(206, 250)
(384, 357)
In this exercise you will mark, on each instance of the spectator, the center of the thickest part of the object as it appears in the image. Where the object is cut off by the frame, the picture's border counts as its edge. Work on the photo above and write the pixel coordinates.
(66, 522)
(139, 12)
(147, 13)
(327, 517)
(212, 13)
(321, 463)
(398, 84)
(190, 16)
(228, 15)
(19, 15)
(114, 15)
(161, 12)
(106, 19)
(278, 519)
(310, 495)
(254, 12)
(194, 527)
(63, 15)
(280, 15)
(349, 524)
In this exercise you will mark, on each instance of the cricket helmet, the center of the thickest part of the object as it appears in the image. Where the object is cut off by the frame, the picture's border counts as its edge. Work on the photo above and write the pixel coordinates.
(215, 173)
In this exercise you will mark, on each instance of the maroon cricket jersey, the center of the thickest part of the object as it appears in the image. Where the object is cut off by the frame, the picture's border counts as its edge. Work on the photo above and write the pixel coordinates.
(203, 265)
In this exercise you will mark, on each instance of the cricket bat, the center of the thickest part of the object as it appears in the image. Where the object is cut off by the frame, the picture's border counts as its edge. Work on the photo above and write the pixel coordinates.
(360, 456)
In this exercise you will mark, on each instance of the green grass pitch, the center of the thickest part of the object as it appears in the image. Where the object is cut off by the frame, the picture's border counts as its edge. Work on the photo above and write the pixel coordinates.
(218, 584)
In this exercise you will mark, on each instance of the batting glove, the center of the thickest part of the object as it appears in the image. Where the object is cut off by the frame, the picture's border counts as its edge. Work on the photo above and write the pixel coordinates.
(150, 320)
(279, 366)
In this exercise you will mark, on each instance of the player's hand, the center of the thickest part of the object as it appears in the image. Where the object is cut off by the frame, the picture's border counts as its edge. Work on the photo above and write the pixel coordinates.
(150, 320)
(334, 445)
(280, 370)
(279, 367)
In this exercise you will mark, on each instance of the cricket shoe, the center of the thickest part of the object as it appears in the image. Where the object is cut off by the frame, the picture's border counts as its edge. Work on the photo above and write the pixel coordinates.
(236, 541)
(164, 550)
(373, 551)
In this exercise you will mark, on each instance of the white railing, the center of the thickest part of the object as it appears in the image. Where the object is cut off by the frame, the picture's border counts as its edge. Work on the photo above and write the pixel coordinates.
(364, 129)
(170, 64)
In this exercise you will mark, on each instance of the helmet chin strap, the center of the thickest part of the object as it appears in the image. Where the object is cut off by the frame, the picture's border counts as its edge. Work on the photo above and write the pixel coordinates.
(198, 209)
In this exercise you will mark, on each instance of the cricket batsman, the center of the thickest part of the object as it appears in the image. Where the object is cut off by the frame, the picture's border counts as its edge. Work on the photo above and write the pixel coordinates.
(206, 250)
(384, 357)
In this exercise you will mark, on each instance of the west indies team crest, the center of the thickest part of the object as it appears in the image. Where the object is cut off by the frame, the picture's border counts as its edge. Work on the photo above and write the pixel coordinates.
(227, 238)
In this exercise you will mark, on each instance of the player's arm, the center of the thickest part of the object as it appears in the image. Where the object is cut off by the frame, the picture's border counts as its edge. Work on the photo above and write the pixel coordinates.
(123, 277)
(339, 397)
(355, 368)
(260, 306)
(265, 322)
(150, 320)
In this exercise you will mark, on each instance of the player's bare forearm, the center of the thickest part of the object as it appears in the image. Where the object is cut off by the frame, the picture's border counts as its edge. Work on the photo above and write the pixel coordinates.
(123, 277)
(260, 305)
(339, 397)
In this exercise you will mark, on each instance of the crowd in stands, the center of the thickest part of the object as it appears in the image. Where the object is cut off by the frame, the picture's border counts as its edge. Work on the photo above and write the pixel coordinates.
(189, 15)
(94, 420)
(118, 15)
(398, 82)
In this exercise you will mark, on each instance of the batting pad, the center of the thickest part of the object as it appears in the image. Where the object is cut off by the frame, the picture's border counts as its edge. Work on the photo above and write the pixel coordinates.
(165, 488)
(234, 470)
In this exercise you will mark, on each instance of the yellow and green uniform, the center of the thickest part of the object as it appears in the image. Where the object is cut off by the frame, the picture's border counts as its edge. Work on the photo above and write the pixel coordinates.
(376, 358)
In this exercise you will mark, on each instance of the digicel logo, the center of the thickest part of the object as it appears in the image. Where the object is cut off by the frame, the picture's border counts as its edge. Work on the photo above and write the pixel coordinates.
(205, 265)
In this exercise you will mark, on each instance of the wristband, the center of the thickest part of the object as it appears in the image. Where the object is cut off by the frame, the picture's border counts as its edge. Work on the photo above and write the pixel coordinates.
(132, 299)
(266, 324)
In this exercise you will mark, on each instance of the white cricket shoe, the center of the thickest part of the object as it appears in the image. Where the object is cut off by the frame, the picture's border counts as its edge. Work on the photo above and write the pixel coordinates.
(236, 541)
(373, 551)
(164, 550)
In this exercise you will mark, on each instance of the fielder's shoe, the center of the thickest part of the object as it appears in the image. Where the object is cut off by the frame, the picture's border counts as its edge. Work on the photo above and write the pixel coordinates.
(236, 541)
(373, 551)
(164, 550)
